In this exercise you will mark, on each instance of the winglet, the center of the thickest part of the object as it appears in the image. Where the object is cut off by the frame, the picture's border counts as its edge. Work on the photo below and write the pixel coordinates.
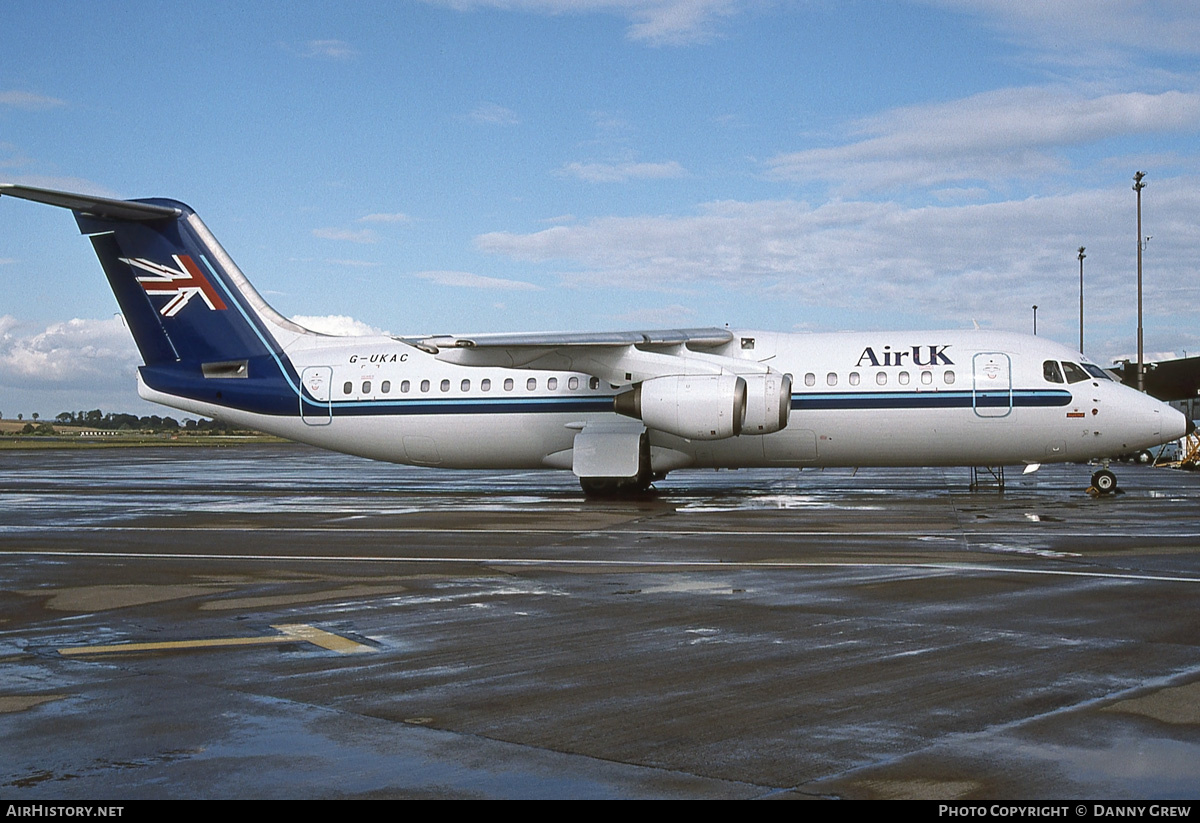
(97, 206)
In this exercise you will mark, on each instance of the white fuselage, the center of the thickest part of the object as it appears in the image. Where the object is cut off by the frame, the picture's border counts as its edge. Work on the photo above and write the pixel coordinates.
(858, 399)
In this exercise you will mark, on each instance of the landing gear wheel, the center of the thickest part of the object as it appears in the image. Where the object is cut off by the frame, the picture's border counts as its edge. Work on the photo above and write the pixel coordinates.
(1104, 482)
(614, 486)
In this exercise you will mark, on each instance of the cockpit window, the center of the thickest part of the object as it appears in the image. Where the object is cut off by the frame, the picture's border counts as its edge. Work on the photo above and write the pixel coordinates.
(1074, 373)
(1052, 372)
(1096, 371)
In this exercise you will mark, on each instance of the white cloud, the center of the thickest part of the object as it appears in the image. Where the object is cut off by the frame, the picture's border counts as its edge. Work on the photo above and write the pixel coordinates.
(467, 280)
(28, 101)
(622, 172)
(495, 114)
(677, 22)
(366, 264)
(350, 235)
(394, 217)
(950, 263)
(995, 135)
(662, 316)
(328, 50)
(79, 352)
(656, 22)
(337, 324)
(1101, 29)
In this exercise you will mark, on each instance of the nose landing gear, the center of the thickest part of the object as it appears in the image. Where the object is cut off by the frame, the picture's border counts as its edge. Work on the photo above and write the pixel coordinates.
(1104, 483)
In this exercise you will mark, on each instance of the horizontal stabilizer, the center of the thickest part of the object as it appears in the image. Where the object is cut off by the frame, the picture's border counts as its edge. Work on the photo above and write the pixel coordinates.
(95, 206)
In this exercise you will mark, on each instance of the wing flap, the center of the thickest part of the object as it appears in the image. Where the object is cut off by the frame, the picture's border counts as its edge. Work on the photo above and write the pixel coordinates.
(700, 338)
(619, 358)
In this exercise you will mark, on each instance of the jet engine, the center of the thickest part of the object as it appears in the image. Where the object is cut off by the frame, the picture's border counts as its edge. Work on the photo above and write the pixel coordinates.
(768, 402)
(698, 407)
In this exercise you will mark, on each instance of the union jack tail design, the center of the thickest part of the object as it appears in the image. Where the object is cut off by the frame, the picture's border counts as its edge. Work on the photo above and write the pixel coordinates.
(197, 321)
(184, 283)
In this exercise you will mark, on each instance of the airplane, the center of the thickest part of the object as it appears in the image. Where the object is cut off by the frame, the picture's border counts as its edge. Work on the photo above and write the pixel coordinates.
(620, 410)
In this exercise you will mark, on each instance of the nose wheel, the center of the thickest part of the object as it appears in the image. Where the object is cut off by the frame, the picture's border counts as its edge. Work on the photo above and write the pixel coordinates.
(1104, 483)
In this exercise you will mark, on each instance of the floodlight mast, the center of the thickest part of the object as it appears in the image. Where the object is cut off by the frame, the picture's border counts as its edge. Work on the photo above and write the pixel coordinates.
(1138, 185)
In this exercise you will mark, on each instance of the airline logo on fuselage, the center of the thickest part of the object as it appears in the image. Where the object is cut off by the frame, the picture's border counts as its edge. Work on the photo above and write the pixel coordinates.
(906, 356)
(182, 283)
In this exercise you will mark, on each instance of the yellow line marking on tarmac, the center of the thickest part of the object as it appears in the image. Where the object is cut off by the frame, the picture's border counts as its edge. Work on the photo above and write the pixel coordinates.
(324, 639)
(291, 632)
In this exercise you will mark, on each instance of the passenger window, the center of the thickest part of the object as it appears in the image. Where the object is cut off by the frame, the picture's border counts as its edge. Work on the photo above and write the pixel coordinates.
(386, 386)
(485, 384)
(404, 386)
(881, 378)
(949, 377)
(854, 378)
(508, 384)
(572, 383)
(831, 379)
(1074, 373)
(445, 385)
(348, 387)
(926, 377)
(465, 386)
(1052, 372)
(366, 387)
(903, 378)
(552, 383)
(424, 385)
(593, 383)
(810, 379)
(531, 384)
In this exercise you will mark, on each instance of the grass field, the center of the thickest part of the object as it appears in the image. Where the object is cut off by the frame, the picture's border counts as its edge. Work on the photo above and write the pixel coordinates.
(83, 437)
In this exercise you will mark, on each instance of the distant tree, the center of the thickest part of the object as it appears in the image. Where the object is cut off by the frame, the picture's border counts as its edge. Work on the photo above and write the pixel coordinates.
(20, 416)
(121, 421)
(35, 417)
(65, 417)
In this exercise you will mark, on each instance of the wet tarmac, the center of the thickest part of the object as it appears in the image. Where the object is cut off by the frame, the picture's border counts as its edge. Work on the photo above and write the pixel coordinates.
(278, 622)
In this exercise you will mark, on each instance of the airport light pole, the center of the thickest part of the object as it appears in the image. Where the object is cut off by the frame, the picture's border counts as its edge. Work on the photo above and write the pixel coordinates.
(1035, 319)
(1138, 185)
(1081, 256)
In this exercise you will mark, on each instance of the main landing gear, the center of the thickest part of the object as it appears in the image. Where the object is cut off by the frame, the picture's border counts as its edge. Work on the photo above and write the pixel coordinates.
(615, 486)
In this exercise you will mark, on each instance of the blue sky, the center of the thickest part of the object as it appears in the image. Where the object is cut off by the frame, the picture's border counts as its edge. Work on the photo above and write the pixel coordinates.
(492, 165)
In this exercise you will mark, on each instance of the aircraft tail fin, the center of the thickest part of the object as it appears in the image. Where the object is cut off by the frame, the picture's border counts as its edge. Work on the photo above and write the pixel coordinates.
(183, 297)
(193, 314)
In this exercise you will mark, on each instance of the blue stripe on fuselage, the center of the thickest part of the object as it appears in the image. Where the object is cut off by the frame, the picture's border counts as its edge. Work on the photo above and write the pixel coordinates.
(274, 396)
(1030, 398)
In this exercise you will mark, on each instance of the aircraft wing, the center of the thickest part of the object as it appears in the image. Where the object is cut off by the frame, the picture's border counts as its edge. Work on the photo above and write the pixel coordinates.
(617, 357)
(661, 337)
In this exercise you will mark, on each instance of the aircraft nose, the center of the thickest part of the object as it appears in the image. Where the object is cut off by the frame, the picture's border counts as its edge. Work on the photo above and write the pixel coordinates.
(1176, 424)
